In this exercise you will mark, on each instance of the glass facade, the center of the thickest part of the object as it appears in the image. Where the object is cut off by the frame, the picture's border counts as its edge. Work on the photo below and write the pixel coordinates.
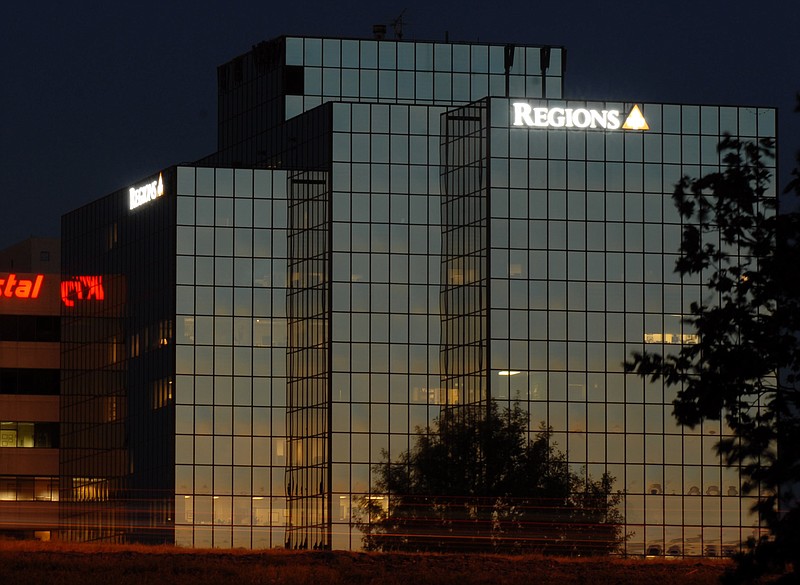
(395, 246)
(285, 77)
(583, 239)
(386, 260)
(230, 438)
(117, 456)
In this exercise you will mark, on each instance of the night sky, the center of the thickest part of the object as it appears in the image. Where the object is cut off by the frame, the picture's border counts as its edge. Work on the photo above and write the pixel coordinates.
(97, 95)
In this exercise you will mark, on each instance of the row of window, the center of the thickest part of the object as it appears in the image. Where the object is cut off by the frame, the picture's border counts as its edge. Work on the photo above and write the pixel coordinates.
(223, 183)
(29, 434)
(244, 390)
(325, 84)
(577, 267)
(636, 440)
(30, 328)
(221, 510)
(420, 56)
(596, 150)
(226, 420)
(596, 235)
(261, 303)
(26, 488)
(29, 381)
(216, 452)
(590, 152)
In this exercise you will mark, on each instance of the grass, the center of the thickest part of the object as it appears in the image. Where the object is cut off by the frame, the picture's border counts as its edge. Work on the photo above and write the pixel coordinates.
(23, 563)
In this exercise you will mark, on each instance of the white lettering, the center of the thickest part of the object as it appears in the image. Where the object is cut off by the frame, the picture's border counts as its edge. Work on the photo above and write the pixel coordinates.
(613, 120)
(522, 114)
(540, 117)
(582, 118)
(598, 118)
(525, 115)
(140, 196)
(555, 118)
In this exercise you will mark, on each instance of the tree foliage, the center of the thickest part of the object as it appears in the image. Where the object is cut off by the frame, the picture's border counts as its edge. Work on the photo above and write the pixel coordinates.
(743, 367)
(475, 481)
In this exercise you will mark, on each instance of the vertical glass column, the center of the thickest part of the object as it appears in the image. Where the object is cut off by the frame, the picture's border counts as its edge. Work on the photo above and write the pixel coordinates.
(308, 396)
(464, 279)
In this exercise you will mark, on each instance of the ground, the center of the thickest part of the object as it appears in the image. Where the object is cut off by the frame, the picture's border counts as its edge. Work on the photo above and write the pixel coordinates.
(23, 563)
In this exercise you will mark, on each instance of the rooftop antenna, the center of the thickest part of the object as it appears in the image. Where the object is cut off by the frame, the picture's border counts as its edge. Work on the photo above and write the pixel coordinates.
(397, 25)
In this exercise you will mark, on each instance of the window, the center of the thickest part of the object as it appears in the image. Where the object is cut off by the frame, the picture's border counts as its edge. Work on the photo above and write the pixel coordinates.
(161, 393)
(28, 488)
(29, 381)
(29, 434)
(30, 328)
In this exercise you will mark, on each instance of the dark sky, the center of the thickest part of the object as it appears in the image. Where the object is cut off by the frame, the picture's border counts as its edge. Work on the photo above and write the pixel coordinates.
(96, 95)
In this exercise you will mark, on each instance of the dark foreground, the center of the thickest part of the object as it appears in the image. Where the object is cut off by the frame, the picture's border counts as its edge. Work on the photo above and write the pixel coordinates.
(56, 563)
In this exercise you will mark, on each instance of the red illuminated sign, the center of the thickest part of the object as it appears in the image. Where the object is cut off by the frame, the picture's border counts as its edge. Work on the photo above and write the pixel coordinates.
(82, 288)
(21, 288)
(32, 286)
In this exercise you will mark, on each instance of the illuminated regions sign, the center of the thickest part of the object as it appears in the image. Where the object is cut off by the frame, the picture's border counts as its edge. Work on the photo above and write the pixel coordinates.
(12, 287)
(141, 195)
(635, 120)
(82, 288)
(584, 118)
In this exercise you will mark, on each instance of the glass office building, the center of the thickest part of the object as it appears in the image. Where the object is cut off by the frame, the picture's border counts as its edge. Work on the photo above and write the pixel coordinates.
(388, 229)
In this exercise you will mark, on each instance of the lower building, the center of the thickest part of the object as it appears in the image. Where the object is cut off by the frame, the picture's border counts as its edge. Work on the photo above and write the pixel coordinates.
(30, 309)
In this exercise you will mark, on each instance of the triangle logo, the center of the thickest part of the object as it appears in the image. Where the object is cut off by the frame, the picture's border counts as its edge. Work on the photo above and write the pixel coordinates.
(635, 120)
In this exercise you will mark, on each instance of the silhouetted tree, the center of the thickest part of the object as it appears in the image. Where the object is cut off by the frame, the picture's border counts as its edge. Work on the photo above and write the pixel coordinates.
(475, 481)
(743, 369)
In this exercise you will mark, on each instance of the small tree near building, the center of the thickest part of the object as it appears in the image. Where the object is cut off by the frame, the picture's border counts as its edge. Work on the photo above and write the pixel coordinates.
(476, 482)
